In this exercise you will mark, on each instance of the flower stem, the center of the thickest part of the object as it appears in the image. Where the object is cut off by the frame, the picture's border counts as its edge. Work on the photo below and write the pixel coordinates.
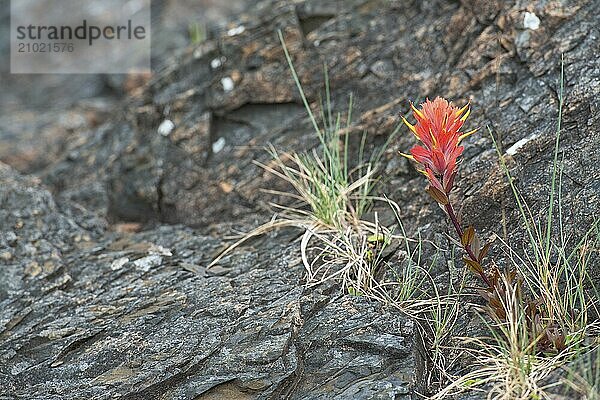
(467, 248)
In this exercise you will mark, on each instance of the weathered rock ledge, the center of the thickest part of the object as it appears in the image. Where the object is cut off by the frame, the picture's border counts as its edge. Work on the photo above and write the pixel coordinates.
(89, 311)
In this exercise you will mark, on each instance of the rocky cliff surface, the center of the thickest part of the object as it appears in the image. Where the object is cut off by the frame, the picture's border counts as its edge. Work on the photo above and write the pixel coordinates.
(103, 251)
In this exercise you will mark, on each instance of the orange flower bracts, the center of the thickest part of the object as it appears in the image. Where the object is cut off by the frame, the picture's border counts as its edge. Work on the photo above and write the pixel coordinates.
(438, 129)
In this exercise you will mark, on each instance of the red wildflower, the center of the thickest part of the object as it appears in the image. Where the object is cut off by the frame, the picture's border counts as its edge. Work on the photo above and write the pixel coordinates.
(438, 129)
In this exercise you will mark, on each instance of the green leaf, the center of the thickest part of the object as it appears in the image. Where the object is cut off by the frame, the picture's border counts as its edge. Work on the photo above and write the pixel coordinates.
(472, 382)
(378, 239)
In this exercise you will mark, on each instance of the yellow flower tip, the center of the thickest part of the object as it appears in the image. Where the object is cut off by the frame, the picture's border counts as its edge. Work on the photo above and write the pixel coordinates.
(417, 112)
(410, 126)
(464, 117)
(462, 110)
(410, 157)
(433, 138)
(423, 172)
(465, 135)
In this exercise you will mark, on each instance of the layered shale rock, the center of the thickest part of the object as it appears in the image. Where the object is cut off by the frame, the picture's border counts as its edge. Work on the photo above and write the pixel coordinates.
(89, 310)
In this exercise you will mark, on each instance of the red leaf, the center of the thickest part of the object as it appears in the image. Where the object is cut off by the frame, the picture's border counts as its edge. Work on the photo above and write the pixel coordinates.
(468, 236)
(484, 251)
(473, 265)
(438, 195)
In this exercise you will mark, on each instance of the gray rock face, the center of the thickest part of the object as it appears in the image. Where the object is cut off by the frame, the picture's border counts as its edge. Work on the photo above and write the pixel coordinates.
(90, 311)
(137, 316)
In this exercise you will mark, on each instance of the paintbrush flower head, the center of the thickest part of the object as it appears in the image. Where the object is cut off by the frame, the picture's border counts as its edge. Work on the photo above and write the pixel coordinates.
(438, 128)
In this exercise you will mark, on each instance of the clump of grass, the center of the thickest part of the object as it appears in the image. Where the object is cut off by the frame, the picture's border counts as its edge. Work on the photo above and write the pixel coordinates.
(330, 197)
(336, 194)
(363, 261)
(506, 364)
(329, 194)
(347, 255)
(437, 325)
(509, 363)
(404, 286)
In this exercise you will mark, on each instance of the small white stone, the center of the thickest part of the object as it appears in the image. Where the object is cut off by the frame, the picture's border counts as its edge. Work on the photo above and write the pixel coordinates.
(148, 262)
(118, 263)
(236, 31)
(227, 83)
(218, 145)
(159, 250)
(531, 21)
(515, 147)
(166, 127)
(216, 63)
